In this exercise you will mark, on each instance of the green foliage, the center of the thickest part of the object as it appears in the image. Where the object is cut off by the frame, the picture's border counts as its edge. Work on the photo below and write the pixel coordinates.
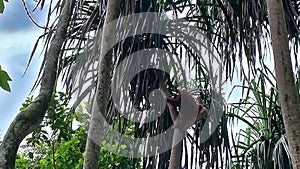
(26, 103)
(1, 6)
(68, 154)
(62, 154)
(111, 160)
(56, 144)
(22, 161)
(262, 143)
(83, 114)
(4, 77)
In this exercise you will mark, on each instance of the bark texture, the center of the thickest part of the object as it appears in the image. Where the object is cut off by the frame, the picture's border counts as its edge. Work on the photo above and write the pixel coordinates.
(91, 159)
(176, 152)
(289, 98)
(27, 120)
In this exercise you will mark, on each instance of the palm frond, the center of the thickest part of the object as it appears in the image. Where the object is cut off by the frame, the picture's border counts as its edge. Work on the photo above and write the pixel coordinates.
(262, 144)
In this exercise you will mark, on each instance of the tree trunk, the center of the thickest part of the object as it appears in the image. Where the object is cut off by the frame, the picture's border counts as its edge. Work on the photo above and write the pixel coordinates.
(27, 120)
(179, 133)
(176, 152)
(289, 97)
(91, 159)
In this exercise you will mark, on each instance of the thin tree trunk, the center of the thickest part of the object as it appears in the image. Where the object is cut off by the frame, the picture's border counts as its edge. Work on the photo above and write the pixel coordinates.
(176, 152)
(289, 97)
(91, 159)
(178, 135)
(27, 120)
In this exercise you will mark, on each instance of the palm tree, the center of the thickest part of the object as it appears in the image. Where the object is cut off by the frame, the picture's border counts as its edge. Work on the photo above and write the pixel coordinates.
(262, 143)
(144, 81)
(236, 28)
(288, 94)
(91, 159)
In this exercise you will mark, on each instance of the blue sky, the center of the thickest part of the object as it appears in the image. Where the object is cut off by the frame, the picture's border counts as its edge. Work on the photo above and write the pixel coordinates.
(18, 35)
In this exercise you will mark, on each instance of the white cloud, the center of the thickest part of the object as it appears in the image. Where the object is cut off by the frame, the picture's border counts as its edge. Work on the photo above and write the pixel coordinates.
(14, 54)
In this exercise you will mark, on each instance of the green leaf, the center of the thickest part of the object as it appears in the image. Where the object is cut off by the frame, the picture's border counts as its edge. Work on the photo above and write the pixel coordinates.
(4, 78)
(1, 6)
(30, 154)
